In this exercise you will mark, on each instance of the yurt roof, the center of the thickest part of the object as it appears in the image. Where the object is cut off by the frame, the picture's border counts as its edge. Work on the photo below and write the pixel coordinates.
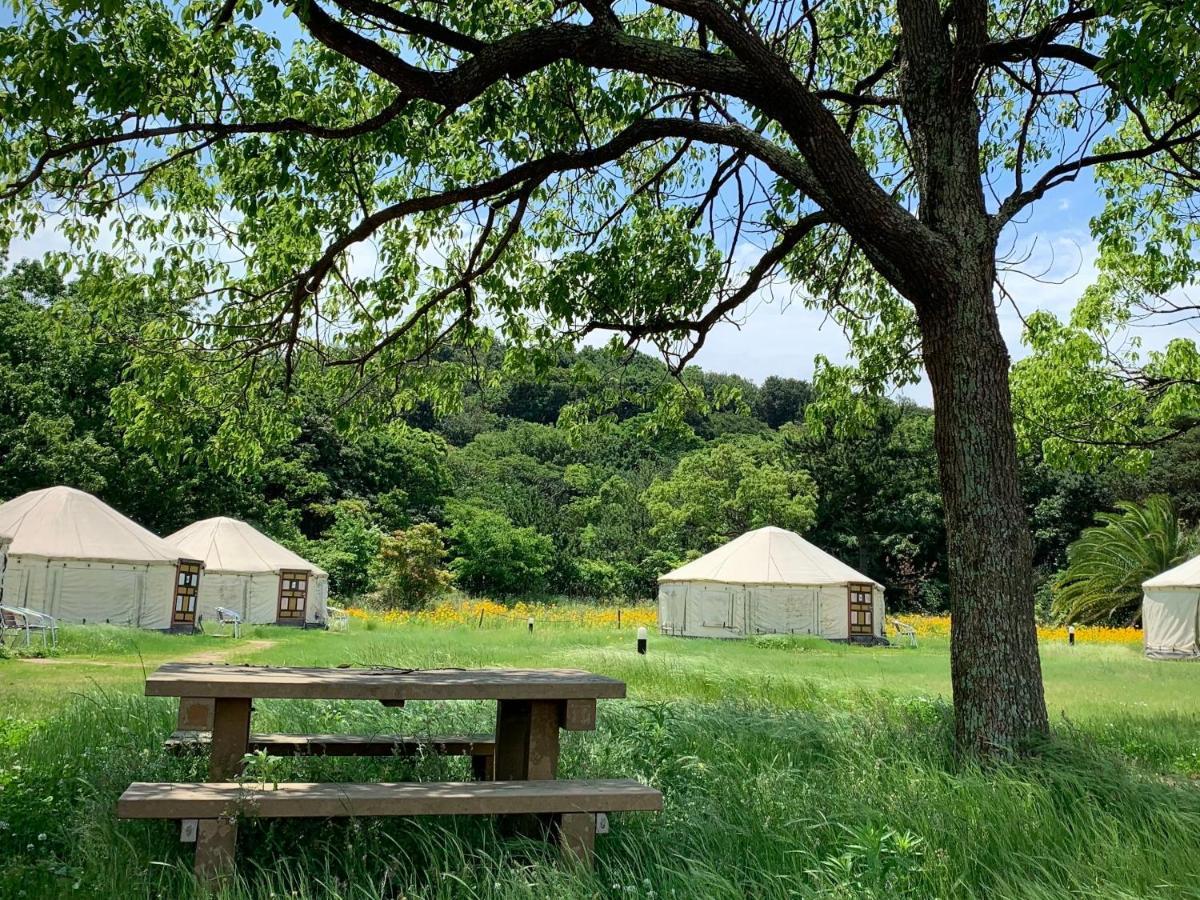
(231, 547)
(768, 556)
(65, 523)
(1183, 575)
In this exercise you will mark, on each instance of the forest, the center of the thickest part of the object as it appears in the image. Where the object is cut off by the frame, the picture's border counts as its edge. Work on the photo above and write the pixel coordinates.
(508, 490)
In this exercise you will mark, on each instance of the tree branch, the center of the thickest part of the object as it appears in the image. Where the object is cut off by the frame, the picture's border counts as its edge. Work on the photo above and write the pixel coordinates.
(788, 241)
(215, 131)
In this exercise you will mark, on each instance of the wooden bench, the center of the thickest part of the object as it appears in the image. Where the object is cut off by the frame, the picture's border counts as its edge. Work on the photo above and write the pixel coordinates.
(480, 747)
(569, 807)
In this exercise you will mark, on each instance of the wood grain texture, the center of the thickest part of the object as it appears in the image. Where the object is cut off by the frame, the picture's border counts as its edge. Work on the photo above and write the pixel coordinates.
(579, 715)
(211, 680)
(576, 833)
(527, 744)
(230, 738)
(216, 842)
(195, 714)
(200, 800)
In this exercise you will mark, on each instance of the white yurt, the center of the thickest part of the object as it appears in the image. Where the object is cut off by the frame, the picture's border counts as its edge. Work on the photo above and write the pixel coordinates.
(78, 559)
(247, 572)
(1171, 612)
(770, 581)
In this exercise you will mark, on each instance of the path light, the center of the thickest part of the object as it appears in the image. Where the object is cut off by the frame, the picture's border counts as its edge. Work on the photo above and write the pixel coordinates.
(1071, 635)
(642, 640)
(529, 622)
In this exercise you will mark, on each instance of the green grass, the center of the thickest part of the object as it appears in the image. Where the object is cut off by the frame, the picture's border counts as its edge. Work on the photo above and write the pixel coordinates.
(791, 768)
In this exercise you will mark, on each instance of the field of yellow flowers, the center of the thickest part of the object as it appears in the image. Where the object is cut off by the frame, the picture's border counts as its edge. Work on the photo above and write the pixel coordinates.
(939, 626)
(490, 614)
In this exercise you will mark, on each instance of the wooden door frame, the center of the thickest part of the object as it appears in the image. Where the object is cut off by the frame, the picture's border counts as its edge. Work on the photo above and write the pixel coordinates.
(182, 567)
(851, 590)
(292, 575)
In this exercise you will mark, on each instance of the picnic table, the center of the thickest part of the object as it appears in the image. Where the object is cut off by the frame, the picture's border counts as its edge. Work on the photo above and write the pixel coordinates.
(532, 706)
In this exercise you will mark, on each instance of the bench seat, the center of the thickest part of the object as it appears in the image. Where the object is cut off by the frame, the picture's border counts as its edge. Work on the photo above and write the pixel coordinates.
(206, 800)
(566, 809)
(279, 744)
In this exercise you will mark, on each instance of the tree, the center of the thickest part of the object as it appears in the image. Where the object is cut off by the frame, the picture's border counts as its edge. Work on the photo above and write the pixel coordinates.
(782, 400)
(879, 507)
(1062, 503)
(1107, 565)
(493, 556)
(612, 169)
(1174, 470)
(726, 489)
(348, 548)
(410, 570)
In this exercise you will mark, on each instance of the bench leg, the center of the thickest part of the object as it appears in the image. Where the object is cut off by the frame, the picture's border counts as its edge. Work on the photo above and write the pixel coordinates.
(576, 833)
(482, 767)
(230, 738)
(216, 840)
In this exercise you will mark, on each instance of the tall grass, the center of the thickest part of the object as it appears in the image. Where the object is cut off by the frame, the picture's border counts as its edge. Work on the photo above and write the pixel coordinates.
(832, 796)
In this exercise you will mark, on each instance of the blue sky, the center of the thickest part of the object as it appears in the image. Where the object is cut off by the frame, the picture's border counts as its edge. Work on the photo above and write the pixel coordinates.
(780, 339)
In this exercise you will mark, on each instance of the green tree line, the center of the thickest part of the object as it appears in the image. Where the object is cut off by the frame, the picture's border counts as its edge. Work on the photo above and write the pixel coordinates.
(494, 491)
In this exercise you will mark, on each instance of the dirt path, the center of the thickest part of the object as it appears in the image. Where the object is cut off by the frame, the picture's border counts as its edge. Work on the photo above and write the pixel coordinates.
(220, 655)
(206, 656)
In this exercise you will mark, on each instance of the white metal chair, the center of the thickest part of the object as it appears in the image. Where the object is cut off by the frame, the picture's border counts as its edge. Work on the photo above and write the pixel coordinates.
(337, 618)
(229, 617)
(904, 632)
(22, 620)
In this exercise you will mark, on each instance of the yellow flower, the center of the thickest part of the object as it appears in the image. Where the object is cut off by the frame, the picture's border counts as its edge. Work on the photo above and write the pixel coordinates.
(939, 626)
(483, 612)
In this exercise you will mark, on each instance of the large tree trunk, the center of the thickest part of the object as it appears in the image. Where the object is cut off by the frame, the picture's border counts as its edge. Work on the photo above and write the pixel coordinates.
(998, 698)
(995, 669)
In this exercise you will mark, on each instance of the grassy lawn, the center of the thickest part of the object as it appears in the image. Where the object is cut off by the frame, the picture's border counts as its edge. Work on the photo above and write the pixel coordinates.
(791, 768)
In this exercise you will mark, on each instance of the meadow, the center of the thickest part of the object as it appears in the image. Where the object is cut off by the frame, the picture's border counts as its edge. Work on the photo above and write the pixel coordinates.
(791, 767)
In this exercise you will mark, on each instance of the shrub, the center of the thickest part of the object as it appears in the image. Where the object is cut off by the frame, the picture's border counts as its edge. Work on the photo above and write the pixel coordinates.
(410, 570)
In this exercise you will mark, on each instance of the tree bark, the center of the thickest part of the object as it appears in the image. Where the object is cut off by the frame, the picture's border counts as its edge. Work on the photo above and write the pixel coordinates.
(999, 704)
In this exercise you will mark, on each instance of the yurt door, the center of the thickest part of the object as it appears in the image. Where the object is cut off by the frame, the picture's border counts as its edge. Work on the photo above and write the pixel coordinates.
(862, 610)
(293, 597)
(187, 585)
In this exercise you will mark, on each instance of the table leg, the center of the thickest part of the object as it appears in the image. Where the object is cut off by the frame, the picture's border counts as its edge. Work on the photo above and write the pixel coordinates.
(526, 750)
(230, 737)
(482, 767)
(527, 740)
(216, 839)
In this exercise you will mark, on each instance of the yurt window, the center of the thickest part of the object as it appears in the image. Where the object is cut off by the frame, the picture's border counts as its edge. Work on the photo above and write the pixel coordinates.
(293, 597)
(862, 610)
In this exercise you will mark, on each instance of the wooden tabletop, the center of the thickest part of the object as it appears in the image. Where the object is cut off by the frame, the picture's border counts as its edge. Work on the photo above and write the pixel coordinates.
(286, 682)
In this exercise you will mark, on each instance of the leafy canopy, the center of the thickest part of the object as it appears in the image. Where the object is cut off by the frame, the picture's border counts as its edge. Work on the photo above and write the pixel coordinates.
(368, 180)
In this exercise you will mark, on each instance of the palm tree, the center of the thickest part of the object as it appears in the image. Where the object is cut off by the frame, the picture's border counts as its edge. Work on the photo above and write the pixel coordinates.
(1107, 565)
